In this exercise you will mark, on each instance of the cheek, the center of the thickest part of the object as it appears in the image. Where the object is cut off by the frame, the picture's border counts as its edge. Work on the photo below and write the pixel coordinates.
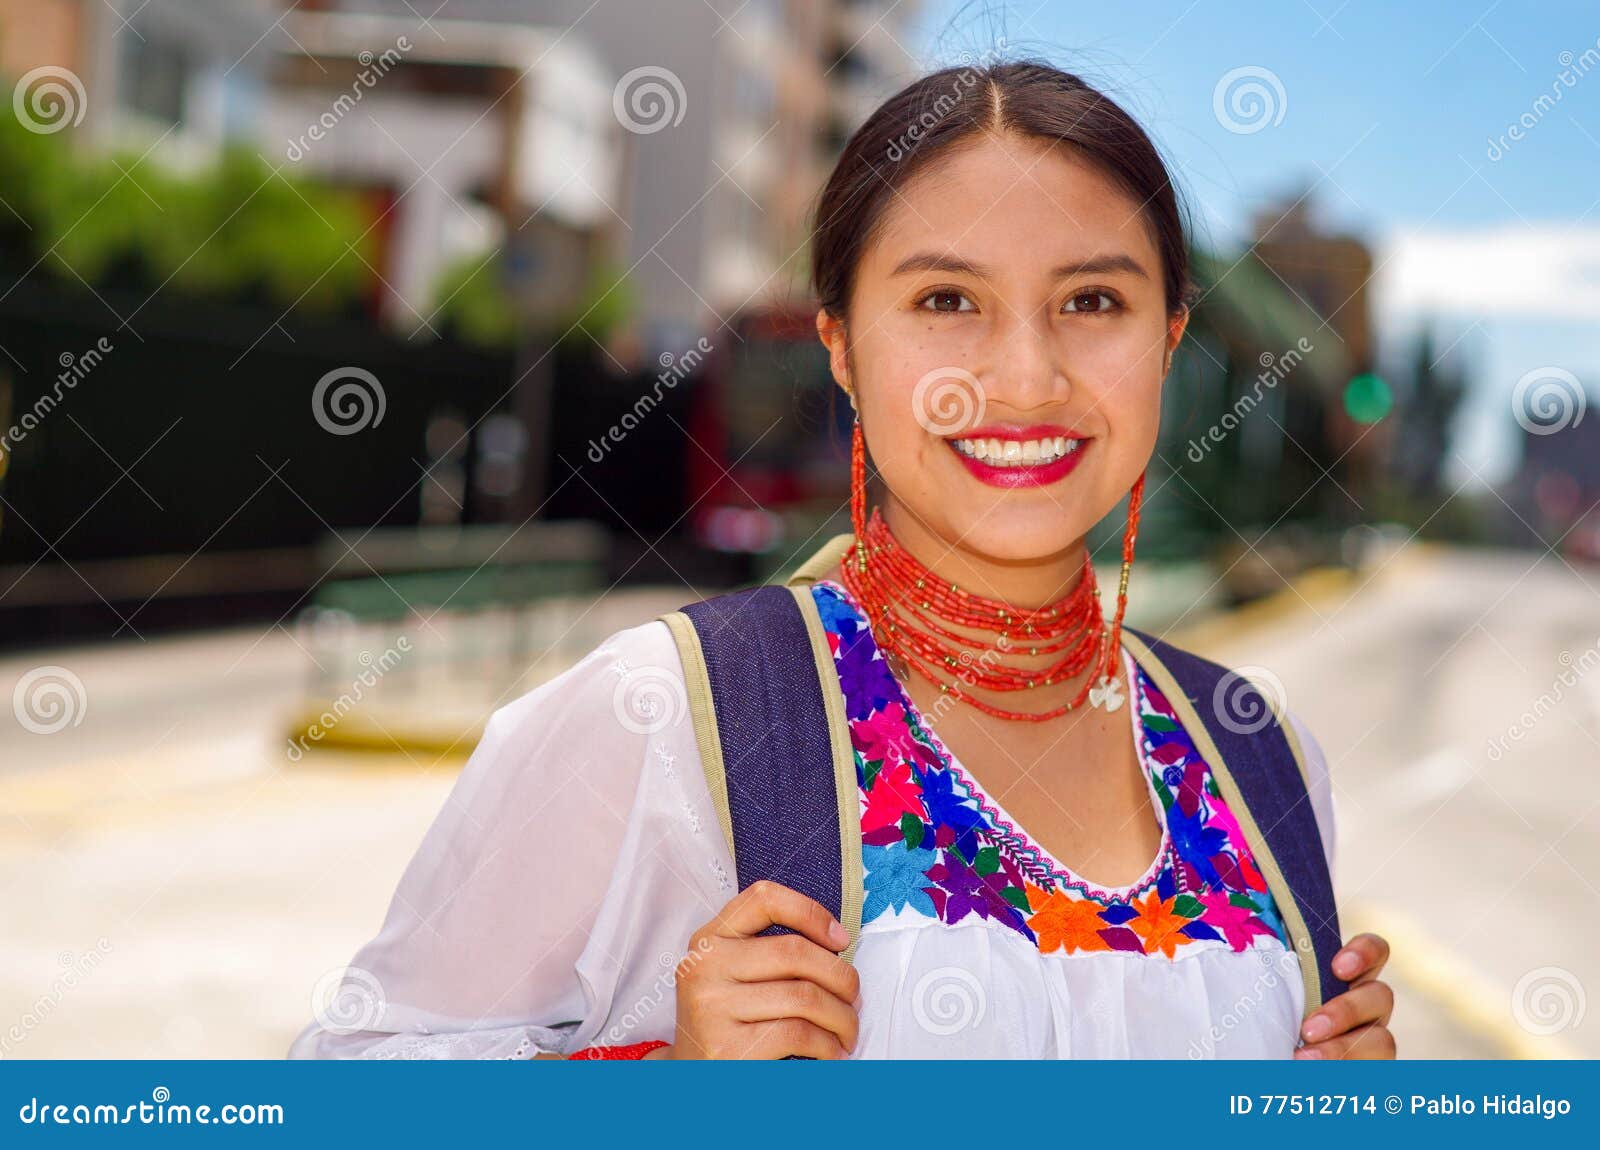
(1122, 377)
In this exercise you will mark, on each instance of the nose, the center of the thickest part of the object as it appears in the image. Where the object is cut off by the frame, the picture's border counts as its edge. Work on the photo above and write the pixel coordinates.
(1029, 372)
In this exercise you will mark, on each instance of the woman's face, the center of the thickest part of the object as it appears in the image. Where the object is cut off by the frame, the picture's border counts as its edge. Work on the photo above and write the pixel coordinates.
(1012, 302)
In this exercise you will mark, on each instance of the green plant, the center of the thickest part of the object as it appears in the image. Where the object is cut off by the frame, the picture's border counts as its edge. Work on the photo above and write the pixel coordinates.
(235, 229)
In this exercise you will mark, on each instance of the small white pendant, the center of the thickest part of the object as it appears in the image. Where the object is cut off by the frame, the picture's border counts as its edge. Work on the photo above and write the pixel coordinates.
(1108, 694)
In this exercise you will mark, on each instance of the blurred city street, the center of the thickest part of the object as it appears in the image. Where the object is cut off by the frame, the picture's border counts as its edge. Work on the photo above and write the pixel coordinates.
(147, 829)
(365, 363)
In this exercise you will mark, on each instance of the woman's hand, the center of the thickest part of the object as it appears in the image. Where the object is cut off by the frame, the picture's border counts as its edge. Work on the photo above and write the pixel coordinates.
(745, 997)
(1354, 1024)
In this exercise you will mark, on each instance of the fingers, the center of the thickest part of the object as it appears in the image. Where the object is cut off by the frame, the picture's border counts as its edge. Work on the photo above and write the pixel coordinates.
(1370, 1002)
(1362, 958)
(1372, 1041)
(765, 903)
(743, 996)
(791, 956)
(785, 1036)
(796, 998)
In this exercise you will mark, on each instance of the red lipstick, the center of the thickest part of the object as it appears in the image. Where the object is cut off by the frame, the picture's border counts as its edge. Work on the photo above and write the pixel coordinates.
(1026, 474)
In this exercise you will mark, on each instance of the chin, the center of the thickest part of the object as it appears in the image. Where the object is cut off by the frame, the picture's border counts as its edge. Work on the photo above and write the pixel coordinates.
(1017, 535)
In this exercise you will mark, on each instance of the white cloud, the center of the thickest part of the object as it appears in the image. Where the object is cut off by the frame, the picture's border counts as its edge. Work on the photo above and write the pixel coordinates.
(1547, 271)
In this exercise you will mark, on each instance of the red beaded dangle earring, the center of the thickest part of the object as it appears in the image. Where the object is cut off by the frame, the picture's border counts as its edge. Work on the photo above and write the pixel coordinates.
(858, 490)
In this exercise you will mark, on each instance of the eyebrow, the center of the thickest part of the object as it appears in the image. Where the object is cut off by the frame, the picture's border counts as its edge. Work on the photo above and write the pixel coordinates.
(948, 262)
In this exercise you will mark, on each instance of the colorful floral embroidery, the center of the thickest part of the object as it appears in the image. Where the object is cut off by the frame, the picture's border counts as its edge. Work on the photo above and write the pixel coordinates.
(933, 844)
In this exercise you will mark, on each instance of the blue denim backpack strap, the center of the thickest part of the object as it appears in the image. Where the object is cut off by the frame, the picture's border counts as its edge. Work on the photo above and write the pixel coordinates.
(770, 727)
(1261, 771)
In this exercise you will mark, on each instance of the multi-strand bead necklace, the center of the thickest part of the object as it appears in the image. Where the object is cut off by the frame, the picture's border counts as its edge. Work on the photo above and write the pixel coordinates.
(912, 612)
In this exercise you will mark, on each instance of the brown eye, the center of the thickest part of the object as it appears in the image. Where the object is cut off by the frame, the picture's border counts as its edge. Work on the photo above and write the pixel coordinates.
(1090, 301)
(945, 301)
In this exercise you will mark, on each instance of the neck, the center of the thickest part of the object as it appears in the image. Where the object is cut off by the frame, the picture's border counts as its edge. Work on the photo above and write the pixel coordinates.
(1024, 583)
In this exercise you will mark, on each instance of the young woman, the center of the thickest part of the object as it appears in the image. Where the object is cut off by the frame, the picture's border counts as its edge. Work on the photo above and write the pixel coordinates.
(1155, 884)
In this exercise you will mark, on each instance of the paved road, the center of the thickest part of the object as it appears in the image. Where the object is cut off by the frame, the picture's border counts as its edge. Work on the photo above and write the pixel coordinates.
(1457, 696)
(175, 886)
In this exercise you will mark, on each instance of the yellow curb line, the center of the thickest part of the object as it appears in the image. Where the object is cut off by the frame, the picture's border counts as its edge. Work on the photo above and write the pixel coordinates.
(357, 733)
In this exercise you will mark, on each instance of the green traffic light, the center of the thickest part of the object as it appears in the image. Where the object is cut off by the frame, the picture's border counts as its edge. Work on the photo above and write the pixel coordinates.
(1367, 398)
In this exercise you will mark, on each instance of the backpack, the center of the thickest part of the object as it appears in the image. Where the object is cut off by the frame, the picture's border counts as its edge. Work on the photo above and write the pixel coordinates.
(759, 674)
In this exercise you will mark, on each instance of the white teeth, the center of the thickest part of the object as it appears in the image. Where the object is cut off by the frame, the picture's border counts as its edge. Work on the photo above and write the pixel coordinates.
(1016, 452)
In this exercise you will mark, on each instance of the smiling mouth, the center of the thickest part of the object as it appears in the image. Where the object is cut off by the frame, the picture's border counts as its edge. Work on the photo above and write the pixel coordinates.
(1029, 457)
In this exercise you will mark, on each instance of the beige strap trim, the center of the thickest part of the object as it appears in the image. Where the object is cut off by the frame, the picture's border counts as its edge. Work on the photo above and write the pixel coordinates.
(823, 558)
(697, 685)
(851, 879)
(1288, 907)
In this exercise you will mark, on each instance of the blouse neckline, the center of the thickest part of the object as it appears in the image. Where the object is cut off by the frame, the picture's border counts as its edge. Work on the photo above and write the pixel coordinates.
(1062, 874)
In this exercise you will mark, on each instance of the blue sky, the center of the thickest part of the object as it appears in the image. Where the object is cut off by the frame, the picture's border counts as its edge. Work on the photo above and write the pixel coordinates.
(1389, 110)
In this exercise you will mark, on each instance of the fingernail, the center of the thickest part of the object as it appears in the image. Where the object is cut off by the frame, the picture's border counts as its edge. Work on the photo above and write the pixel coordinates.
(1345, 964)
(1307, 1052)
(838, 934)
(1320, 1026)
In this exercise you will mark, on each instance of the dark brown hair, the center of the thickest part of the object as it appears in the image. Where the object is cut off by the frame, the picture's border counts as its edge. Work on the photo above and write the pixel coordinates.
(951, 106)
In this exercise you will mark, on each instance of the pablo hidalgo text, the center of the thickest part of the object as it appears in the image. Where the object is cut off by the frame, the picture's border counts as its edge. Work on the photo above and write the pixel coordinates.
(1515, 1105)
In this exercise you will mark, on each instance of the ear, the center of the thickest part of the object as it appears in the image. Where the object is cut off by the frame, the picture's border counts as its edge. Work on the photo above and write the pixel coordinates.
(830, 331)
(1176, 326)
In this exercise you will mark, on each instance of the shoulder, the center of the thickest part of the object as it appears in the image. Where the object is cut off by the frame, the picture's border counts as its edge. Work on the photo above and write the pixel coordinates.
(632, 680)
(599, 765)
(579, 742)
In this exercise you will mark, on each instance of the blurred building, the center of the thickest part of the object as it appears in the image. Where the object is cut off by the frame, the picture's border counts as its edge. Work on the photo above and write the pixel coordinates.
(179, 76)
(1556, 490)
(1330, 273)
(735, 109)
(469, 137)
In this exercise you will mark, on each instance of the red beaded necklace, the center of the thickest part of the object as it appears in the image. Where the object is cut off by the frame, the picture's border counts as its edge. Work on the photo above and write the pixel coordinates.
(911, 610)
